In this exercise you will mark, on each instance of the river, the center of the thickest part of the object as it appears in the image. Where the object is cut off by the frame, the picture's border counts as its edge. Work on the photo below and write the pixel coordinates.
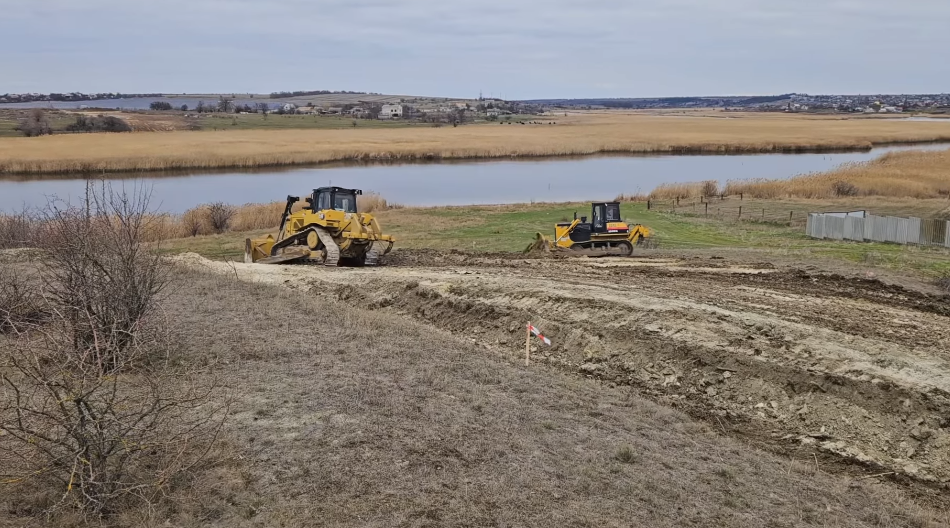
(456, 183)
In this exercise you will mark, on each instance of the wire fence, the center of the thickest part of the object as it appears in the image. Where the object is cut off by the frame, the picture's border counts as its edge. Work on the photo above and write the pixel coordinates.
(730, 208)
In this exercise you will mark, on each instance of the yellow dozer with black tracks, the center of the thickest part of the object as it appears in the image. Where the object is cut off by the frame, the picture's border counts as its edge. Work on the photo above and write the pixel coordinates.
(328, 230)
(606, 234)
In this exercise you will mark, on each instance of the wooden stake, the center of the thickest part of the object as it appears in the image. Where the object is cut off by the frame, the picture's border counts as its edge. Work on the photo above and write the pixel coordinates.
(527, 345)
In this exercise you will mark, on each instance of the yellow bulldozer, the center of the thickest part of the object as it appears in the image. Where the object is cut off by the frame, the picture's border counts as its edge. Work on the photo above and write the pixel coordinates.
(606, 234)
(328, 230)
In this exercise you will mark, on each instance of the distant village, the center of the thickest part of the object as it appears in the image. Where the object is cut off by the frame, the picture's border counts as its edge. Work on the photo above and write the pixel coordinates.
(447, 110)
(881, 103)
(441, 111)
(65, 97)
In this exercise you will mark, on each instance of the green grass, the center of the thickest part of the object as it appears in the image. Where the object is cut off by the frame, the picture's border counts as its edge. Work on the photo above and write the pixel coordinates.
(512, 227)
(9, 119)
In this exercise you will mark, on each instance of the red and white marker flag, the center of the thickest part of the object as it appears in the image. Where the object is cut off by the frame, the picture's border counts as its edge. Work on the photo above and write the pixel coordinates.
(538, 333)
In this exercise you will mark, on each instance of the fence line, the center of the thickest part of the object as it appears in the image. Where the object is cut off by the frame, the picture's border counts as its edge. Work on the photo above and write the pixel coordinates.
(870, 228)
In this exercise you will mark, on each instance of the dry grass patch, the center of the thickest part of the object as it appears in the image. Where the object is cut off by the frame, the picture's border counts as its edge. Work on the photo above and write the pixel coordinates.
(896, 174)
(371, 419)
(579, 134)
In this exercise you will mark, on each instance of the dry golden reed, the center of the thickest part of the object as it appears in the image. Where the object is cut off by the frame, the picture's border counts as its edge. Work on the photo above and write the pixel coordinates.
(673, 191)
(581, 134)
(896, 174)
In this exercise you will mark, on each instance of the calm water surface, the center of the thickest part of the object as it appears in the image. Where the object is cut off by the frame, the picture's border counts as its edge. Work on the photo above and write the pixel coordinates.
(490, 182)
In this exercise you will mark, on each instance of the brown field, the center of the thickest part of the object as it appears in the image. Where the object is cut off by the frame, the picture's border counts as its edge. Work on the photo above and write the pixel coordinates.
(743, 400)
(577, 134)
(896, 174)
(405, 401)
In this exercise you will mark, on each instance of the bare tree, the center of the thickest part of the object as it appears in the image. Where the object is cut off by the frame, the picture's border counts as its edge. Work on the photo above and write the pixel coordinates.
(35, 124)
(93, 403)
(225, 105)
(219, 216)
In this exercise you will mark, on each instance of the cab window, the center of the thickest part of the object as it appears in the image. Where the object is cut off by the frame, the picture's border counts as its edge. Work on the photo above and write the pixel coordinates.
(344, 202)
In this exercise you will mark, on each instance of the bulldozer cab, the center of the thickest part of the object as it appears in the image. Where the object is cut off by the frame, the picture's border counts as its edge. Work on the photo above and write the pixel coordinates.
(602, 214)
(334, 198)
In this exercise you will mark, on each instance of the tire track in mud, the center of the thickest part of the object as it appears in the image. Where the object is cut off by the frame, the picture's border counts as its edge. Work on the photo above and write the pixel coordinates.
(764, 354)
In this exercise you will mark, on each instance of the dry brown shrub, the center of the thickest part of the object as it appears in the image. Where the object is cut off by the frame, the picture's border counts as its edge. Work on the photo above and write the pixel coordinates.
(710, 188)
(98, 415)
(219, 216)
(17, 229)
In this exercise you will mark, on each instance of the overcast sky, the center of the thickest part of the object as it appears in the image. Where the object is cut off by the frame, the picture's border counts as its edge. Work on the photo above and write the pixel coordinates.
(517, 48)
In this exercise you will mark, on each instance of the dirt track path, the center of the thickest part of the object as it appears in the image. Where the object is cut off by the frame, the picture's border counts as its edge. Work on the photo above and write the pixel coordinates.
(855, 369)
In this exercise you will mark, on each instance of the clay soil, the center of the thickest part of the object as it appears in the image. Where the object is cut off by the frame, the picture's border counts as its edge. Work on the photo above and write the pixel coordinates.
(852, 372)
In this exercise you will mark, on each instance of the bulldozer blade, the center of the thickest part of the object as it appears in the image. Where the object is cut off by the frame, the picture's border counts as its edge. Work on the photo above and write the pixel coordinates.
(541, 243)
(289, 255)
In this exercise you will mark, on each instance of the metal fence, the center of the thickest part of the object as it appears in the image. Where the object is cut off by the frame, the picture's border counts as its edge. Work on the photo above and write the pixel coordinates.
(870, 228)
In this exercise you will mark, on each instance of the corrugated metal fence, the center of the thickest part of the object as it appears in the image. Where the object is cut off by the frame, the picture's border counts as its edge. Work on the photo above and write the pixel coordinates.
(870, 228)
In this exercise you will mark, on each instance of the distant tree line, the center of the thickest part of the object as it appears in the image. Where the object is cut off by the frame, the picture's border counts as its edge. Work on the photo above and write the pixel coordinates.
(283, 95)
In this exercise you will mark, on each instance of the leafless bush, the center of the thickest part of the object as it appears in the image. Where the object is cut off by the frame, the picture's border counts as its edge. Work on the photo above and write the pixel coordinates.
(35, 125)
(100, 273)
(94, 405)
(219, 216)
(843, 188)
(17, 229)
(191, 222)
(19, 301)
(103, 441)
(710, 188)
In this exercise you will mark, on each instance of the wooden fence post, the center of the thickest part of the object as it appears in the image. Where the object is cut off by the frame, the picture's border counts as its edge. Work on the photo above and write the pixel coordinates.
(740, 212)
(527, 345)
(648, 205)
(740, 197)
(707, 208)
(790, 213)
(763, 213)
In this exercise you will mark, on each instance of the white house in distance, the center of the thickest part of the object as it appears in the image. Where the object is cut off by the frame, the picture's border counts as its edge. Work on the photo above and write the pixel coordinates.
(391, 112)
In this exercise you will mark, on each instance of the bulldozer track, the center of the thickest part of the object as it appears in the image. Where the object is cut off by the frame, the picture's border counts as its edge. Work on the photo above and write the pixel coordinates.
(333, 250)
(372, 256)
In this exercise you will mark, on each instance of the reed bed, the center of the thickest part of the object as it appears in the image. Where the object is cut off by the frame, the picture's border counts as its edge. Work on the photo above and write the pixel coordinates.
(575, 135)
(896, 174)
(673, 191)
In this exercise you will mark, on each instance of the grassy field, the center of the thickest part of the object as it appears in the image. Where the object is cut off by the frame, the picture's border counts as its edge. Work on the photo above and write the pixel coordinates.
(10, 119)
(577, 134)
(513, 227)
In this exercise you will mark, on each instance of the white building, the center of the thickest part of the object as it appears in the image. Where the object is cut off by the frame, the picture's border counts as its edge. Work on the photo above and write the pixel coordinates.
(391, 112)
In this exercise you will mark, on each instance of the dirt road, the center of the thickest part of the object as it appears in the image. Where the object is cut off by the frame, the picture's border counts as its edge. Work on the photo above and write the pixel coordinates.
(853, 370)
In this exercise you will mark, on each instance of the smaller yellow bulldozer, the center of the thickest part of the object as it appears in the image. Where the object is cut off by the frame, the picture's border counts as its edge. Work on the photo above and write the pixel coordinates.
(329, 230)
(606, 234)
